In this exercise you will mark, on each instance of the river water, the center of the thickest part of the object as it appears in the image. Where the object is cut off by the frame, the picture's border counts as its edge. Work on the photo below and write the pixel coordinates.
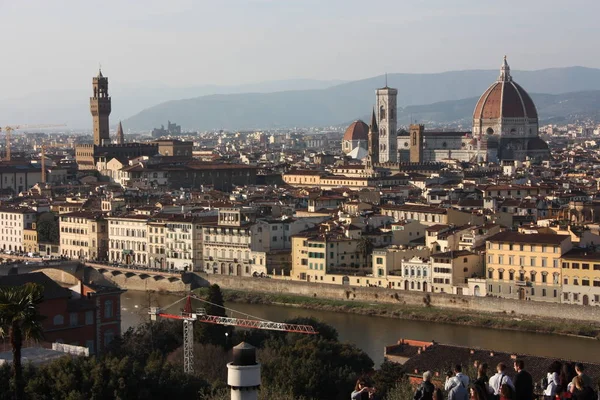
(372, 334)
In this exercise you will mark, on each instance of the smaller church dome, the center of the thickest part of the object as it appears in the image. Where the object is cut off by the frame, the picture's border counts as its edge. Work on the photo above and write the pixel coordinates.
(358, 130)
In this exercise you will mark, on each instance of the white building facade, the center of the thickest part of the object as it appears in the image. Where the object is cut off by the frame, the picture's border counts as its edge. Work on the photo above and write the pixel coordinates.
(12, 223)
(128, 238)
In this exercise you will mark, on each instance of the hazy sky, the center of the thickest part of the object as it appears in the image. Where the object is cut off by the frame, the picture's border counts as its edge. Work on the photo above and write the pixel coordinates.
(54, 44)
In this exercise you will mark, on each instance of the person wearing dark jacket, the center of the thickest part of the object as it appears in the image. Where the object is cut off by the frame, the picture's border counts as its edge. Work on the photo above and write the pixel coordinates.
(426, 388)
(523, 382)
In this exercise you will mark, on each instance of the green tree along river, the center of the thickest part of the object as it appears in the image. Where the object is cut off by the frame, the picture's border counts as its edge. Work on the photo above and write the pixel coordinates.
(372, 334)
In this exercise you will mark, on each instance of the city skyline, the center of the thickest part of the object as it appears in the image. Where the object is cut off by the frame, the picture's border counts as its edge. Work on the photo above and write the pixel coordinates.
(251, 41)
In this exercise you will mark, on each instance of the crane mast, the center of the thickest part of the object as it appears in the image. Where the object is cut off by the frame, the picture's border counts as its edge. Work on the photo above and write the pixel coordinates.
(189, 317)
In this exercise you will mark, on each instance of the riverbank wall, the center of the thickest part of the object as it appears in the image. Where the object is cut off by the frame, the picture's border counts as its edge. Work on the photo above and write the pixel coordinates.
(453, 303)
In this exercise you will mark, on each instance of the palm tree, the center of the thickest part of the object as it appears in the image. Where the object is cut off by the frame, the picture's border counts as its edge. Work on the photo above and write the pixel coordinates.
(20, 319)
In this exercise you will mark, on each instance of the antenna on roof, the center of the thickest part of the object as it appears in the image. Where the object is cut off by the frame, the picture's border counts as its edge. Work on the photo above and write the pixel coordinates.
(386, 80)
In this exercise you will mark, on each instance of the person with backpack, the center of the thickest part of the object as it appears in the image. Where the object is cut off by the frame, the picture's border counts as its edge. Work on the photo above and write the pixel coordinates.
(498, 380)
(552, 380)
(426, 388)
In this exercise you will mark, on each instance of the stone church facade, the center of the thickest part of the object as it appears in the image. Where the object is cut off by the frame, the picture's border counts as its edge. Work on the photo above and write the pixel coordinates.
(505, 128)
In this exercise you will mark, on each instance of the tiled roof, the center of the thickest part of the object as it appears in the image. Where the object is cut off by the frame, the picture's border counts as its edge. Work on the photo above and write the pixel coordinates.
(52, 290)
(538, 238)
(440, 358)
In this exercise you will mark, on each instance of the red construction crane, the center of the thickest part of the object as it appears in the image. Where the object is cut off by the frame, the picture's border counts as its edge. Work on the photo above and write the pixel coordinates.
(188, 316)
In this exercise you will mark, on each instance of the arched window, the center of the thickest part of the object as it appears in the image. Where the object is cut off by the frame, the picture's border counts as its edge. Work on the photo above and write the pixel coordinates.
(381, 112)
(58, 319)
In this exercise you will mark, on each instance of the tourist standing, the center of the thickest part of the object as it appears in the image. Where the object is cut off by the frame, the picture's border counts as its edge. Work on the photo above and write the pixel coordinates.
(581, 391)
(552, 380)
(579, 370)
(499, 379)
(565, 379)
(477, 393)
(482, 377)
(361, 391)
(457, 391)
(458, 377)
(523, 382)
(426, 388)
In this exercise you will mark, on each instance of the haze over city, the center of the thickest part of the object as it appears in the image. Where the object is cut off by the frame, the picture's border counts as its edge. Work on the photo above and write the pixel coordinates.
(55, 45)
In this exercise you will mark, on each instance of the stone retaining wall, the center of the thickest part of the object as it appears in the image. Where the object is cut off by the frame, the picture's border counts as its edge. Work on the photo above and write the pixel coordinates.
(390, 296)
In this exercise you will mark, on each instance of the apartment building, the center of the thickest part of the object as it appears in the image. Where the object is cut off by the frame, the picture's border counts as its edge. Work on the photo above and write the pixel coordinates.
(30, 239)
(387, 263)
(87, 316)
(239, 244)
(183, 242)
(227, 242)
(417, 275)
(476, 236)
(128, 239)
(581, 277)
(522, 266)
(13, 222)
(84, 235)
(157, 254)
(451, 271)
(429, 215)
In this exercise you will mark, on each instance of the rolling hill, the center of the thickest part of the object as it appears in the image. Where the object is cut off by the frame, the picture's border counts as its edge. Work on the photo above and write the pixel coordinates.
(449, 96)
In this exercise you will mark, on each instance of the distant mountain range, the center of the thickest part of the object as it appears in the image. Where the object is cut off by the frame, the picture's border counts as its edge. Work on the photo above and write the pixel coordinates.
(73, 108)
(552, 108)
(450, 96)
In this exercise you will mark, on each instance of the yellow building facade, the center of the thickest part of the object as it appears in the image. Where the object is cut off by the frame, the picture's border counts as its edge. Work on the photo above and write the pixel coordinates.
(581, 278)
(525, 267)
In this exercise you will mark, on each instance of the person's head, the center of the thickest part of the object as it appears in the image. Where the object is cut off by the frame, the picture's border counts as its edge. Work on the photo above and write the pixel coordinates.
(506, 391)
(476, 392)
(360, 384)
(476, 364)
(579, 382)
(579, 368)
(501, 367)
(555, 367)
(457, 368)
(482, 369)
(519, 365)
(427, 375)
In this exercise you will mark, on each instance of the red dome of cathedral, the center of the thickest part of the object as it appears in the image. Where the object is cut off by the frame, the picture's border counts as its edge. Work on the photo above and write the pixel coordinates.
(358, 130)
(505, 99)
